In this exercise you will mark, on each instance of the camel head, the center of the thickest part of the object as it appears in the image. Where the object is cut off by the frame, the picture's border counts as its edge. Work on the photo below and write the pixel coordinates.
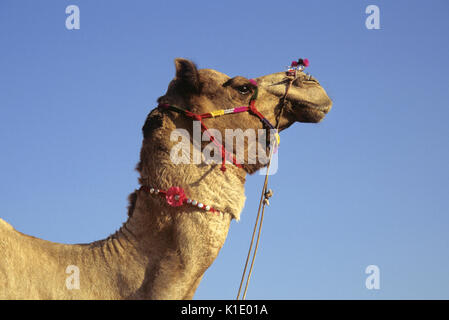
(206, 90)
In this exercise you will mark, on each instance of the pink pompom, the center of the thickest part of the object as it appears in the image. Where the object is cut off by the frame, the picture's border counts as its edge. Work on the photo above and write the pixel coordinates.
(306, 62)
(252, 81)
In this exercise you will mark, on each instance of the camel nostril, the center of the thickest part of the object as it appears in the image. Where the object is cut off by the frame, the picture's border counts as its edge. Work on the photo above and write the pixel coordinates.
(305, 79)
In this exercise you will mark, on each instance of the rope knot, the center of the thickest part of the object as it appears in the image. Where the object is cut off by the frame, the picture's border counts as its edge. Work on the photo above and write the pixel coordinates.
(252, 107)
(268, 194)
(193, 115)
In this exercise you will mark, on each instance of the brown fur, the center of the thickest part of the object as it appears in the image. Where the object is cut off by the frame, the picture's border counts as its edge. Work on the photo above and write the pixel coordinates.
(161, 252)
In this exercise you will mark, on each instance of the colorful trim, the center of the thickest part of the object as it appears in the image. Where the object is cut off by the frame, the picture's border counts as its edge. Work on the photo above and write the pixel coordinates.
(199, 117)
(175, 197)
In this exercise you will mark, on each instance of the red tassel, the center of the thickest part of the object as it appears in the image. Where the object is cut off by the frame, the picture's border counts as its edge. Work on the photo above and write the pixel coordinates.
(306, 62)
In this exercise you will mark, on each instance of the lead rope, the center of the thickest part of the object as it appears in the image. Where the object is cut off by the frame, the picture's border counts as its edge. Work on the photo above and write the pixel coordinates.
(265, 195)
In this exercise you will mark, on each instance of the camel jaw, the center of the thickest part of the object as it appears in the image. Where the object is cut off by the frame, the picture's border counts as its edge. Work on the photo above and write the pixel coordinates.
(304, 111)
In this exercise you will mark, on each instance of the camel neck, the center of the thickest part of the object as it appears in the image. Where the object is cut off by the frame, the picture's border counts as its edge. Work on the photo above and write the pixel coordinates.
(161, 252)
(167, 249)
(200, 181)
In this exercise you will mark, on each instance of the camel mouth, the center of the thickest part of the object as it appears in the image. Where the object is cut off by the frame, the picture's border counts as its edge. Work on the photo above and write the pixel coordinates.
(310, 112)
(324, 108)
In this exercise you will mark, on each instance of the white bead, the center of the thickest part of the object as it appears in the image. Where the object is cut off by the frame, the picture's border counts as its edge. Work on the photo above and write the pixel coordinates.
(200, 205)
(189, 201)
(207, 208)
(157, 191)
(176, 197)
(152, 190)
(194, 202)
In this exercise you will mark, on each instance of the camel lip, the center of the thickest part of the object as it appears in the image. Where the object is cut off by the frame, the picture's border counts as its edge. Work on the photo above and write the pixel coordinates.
(324, 108)
(305, 111)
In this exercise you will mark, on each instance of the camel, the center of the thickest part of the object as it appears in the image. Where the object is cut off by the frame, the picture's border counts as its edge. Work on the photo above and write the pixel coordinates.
(162, 251)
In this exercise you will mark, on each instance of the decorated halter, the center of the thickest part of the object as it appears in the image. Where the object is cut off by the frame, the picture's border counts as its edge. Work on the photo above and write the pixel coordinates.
(175, 196)
(251, 108)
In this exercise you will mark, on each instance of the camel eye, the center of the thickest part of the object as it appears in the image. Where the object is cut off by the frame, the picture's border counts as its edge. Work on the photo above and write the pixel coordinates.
(244, 89)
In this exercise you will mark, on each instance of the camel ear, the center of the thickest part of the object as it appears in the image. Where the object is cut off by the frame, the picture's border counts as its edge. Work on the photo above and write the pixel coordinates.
(187, 75)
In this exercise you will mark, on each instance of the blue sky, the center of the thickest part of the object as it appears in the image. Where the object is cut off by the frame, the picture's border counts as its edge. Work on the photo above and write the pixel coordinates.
(367, 186)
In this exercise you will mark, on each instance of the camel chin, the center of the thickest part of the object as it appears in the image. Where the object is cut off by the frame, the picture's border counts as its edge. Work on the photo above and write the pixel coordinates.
(308, 113)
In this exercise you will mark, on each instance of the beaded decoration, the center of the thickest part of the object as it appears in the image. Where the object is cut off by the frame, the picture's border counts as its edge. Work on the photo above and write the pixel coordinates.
(176, 197)
(295, 66)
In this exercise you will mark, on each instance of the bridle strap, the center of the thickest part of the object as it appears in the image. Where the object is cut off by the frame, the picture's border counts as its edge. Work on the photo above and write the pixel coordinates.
(199, 117)
(251, 108)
